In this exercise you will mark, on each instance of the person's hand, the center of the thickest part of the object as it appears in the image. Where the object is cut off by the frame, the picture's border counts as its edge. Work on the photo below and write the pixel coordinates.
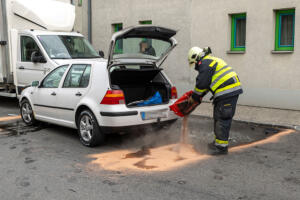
(191, 101)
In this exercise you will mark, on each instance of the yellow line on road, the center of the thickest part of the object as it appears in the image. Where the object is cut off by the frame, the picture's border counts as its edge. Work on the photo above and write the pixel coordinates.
(2, 119)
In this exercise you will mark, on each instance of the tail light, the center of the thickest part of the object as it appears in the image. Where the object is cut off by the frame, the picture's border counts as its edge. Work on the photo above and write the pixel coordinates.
(173, 93)
(113, 97)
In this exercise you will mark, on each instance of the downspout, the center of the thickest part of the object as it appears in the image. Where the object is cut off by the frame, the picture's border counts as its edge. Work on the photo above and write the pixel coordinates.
(8, 78)
(90, 21)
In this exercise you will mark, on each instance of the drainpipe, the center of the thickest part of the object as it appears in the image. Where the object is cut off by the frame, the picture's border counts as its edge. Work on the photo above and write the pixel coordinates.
(90, 21)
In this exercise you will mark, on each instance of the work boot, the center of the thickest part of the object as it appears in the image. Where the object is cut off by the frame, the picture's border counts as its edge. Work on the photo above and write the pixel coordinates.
(216, 150)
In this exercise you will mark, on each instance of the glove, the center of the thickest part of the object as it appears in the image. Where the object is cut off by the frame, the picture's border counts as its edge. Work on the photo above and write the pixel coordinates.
(191, 106)
(191, 101)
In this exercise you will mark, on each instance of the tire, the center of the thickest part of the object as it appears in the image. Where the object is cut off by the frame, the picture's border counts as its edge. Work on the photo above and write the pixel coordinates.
(27, 113)
(88, 129)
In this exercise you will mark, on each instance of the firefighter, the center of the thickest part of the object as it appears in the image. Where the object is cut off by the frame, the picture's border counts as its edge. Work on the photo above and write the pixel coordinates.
(222, 81)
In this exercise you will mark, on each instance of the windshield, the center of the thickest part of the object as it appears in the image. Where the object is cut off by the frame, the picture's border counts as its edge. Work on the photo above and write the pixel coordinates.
(140, 48)
(67, 47)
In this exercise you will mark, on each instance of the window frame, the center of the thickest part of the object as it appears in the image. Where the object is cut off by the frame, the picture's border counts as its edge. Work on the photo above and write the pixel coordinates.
(21, 48)
(118, 27)
(279, 14)
(41, 85)
(69, 71)
(235, 17)
(144, 22)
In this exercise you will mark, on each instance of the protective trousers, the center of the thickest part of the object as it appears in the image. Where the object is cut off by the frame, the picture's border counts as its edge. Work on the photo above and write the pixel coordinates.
(224, 110)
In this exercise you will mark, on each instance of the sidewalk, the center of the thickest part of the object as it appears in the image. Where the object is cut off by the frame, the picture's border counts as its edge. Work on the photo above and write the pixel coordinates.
(258, 115)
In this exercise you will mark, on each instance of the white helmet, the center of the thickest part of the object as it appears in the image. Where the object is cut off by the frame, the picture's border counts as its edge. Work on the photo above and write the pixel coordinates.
(195, 54)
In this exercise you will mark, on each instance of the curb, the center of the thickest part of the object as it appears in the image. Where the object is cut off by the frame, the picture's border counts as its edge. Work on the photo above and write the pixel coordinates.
(294, 127)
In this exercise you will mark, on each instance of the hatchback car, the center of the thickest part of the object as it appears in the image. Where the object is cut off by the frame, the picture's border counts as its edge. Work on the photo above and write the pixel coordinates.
(97, 97)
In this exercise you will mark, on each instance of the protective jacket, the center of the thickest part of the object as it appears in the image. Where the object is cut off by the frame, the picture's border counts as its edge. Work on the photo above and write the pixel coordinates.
(215, 76)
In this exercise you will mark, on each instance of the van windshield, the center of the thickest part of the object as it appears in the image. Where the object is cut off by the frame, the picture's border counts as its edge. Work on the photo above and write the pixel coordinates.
(67, 47)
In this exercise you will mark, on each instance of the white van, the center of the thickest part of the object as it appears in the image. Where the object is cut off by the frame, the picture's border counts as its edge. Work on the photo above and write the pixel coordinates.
(35, 37)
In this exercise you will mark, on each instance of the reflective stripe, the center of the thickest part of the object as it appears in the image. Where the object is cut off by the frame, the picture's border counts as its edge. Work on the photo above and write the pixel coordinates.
(235, 88)
(200, 91)
(222, 143)
(216, 75)
(219, 77)
(212, 63)
(222, 80)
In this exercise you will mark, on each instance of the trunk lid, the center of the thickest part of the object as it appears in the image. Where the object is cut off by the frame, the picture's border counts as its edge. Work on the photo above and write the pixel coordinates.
(141, 44)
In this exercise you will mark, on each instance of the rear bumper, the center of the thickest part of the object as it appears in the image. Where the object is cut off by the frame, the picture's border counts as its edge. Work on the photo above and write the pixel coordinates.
(121, 116)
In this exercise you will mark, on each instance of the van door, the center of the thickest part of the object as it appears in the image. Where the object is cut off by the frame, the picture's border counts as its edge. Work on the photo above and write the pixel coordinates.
(27, 71)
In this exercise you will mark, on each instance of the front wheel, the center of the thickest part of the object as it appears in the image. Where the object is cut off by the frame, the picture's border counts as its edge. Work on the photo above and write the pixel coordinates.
(27, 113)
(88, 129)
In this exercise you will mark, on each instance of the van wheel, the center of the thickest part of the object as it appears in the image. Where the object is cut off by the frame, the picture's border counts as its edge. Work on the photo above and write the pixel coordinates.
(88, 129)
(27, 113)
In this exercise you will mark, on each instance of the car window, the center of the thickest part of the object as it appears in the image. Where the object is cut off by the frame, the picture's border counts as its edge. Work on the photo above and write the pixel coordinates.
(28, 46)
(53, 79)
(78, 77)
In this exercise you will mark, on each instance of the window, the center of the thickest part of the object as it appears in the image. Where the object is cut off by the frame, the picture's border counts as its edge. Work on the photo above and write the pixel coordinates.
(146, 22)
(28, 46)
(285, 29)
(238, 32)
(67, 47)
(53, 79)
(78, 77)
(145, 41)
(119, 44)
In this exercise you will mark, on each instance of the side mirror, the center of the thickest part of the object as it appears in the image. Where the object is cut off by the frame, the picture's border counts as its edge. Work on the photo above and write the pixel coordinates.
(101, 53)
(35, 83)
(36, 57)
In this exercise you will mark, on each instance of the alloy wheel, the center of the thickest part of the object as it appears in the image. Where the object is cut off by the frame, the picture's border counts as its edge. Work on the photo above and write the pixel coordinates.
(27, 112)
(86, 128)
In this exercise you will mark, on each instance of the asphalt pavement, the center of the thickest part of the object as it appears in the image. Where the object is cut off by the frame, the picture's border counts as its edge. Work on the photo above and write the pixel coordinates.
(48, 162)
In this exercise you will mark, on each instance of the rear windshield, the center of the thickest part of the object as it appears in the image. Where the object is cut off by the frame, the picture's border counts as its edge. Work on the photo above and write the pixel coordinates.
(140, 48)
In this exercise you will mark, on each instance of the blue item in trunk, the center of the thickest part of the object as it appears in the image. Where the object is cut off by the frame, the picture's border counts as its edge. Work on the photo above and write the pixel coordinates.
(155, 99)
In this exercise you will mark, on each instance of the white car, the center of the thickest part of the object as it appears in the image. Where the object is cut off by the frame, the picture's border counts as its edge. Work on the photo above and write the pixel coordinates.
(99, 97)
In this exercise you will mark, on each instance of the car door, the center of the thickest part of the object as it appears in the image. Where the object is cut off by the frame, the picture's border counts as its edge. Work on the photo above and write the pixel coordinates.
(45, 96)
(27, 71)
(73, 89)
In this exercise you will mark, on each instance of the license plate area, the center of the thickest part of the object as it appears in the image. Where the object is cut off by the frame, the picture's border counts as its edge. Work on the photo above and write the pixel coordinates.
(154, 114)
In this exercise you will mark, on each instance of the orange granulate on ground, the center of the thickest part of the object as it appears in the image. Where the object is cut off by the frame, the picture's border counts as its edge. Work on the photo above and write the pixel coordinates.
(165, 157)
(159, 159)
(9, 118)
(272, 139)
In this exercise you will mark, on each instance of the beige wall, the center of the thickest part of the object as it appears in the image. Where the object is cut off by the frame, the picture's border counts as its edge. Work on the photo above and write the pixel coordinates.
(269, 80)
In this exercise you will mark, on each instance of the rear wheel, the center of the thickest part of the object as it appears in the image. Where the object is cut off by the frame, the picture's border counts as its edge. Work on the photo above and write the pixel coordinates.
(27, 113)
(88, 129)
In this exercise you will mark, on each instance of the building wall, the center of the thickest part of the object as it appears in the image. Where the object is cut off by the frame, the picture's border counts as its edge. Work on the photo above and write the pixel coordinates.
(269, 80)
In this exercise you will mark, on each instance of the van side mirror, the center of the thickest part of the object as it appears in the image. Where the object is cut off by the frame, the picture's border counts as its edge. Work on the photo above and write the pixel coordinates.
(35, 83)
(101, 54)
(36, 57)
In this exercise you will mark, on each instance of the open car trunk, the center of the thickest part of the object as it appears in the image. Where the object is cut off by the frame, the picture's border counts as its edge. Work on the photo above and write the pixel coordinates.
(140, 83)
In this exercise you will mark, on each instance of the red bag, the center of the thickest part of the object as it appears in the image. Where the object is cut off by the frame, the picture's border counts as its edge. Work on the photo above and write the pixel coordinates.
(181, 107)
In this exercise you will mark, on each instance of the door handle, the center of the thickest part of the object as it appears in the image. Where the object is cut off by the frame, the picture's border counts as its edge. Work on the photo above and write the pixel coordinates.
(21, 67)
(78, 94)
(53, 94)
